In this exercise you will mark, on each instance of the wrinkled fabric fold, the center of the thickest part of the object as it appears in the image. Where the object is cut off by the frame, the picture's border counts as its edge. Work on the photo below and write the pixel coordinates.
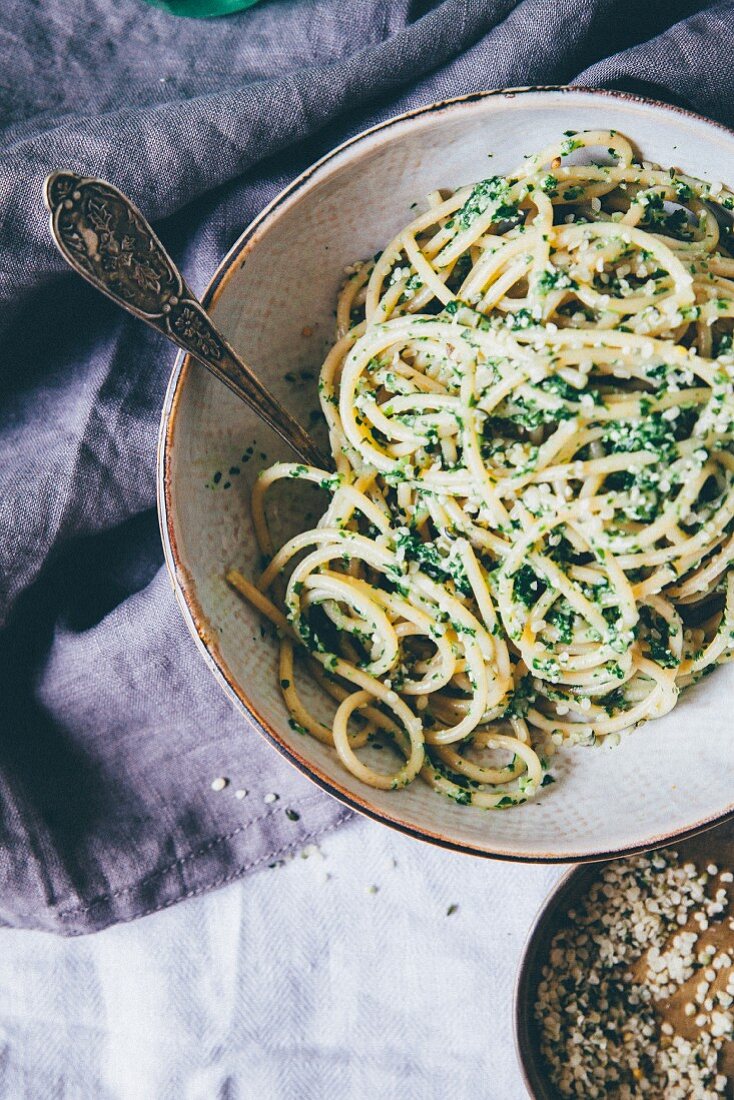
(111, 727)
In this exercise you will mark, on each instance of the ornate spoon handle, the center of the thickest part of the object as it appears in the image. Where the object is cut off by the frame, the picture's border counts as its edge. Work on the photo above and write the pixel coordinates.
(108, 241)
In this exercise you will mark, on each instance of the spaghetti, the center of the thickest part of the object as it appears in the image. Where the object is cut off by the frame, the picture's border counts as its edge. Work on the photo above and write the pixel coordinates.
(531, 524)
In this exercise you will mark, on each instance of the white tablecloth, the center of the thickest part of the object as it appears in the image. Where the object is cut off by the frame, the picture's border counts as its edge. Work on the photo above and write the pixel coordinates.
(340, 976)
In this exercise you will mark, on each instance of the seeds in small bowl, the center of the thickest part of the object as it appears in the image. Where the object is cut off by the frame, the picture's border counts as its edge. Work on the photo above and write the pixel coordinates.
(636, 998)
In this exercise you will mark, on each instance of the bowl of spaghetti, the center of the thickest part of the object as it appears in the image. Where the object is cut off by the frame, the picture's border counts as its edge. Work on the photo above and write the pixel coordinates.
(509, 319)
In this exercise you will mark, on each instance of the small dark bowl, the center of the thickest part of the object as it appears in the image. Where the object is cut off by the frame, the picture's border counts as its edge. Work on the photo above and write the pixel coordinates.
(715, 844)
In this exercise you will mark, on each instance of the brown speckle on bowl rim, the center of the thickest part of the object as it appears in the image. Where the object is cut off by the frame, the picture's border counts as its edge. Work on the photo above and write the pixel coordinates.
(182, 581)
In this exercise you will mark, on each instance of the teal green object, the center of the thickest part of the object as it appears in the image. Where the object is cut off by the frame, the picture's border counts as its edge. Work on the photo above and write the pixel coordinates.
(202, 9)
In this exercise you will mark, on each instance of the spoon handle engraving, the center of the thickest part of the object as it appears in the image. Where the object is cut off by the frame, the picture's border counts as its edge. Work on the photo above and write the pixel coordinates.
(106, 239)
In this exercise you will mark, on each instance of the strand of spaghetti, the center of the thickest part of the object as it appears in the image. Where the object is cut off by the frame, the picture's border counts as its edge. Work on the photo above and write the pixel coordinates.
(530, 405)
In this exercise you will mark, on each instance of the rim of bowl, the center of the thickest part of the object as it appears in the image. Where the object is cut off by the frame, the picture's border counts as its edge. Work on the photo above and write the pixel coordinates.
(546, 922)
(182, 581)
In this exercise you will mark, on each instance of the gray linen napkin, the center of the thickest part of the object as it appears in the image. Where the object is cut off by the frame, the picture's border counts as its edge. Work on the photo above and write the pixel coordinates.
(111, 728)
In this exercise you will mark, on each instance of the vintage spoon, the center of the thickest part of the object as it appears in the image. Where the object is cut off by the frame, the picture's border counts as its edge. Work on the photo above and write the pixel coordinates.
(108, 241)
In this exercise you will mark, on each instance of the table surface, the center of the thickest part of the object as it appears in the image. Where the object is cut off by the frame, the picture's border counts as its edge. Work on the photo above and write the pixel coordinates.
(342, 975)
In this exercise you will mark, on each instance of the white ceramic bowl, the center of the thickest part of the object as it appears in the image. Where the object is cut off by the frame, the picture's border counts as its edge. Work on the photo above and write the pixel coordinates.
(273, 297)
